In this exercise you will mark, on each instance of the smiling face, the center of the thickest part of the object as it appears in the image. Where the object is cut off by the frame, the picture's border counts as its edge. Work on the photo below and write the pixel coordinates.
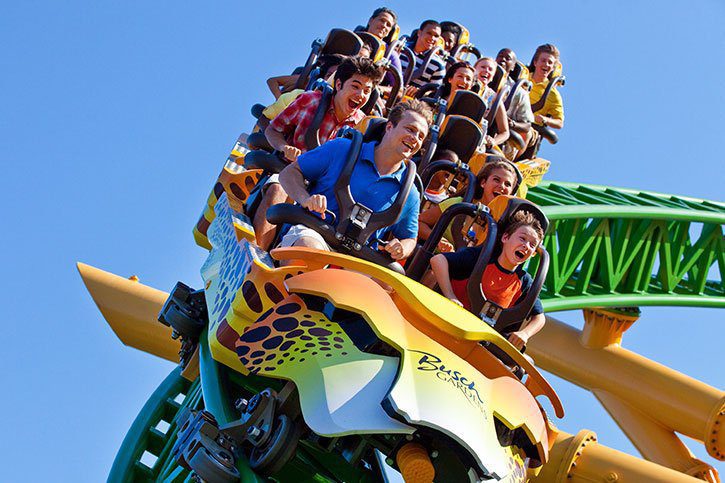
(462, 79)
(352, 95)
(518, 247)
(406, 138)
(544, 65)
(499, 182)
(506, 59)
(381, 25)
(427, 38)
(449, 40)
(485, 70)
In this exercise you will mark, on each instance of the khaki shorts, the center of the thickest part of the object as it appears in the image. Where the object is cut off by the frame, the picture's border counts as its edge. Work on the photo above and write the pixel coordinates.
(298, 231)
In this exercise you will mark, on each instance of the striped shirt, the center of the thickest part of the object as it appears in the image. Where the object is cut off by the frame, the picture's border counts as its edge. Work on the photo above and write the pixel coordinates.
(435, 72)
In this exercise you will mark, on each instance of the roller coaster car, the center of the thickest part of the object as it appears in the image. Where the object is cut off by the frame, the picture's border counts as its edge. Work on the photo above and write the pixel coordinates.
(461, 135)
(398, 370)
(443, 178)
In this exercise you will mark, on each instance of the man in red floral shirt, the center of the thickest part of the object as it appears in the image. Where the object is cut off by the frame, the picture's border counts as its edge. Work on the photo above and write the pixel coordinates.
(355, 80)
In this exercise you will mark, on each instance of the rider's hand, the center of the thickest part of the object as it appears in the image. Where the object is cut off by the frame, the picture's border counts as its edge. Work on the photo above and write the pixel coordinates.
(395, 248)
(410, 91)
(291, 152)
(444, 246)
(519, 339)
(317, 203)
(488, 140)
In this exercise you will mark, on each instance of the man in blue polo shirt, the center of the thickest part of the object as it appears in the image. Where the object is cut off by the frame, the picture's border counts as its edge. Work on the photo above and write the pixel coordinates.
(376, 179)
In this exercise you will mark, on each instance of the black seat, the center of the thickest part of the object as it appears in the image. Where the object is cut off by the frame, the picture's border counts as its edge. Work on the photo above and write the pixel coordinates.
(461, 135)
(338, 41)
(375, 130)
(468, 104)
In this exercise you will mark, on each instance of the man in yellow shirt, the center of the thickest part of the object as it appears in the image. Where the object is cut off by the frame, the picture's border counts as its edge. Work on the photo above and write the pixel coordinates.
(543, 65)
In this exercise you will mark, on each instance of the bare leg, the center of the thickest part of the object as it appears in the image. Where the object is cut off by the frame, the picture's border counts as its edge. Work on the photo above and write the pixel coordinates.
(264, 230)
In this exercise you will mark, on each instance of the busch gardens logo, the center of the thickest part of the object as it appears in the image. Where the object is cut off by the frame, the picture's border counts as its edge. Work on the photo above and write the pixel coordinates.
(432, 363)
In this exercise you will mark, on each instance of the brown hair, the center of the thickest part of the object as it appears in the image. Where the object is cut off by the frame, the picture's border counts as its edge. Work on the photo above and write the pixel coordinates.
(523, 218)
(450, 72)
(397, 112)
(379, 11)
(543, 49)
(489, 168)
(358, 65)
(425, 23)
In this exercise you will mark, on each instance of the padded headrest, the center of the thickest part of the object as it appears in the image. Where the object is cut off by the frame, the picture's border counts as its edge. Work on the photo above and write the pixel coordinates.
(394, 34)
(461, 135)
(507, 205)
(468, 104)
(375, 129)
(465, 36)
(498, 80)
(520, 71)
(378, 46)
(341, 41)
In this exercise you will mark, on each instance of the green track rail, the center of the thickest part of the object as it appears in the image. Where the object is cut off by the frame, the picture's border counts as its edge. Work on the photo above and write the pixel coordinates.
(613, 247)
(145, 452)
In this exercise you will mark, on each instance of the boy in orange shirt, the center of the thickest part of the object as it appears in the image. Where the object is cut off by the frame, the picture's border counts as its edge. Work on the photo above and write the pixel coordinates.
(504, 282)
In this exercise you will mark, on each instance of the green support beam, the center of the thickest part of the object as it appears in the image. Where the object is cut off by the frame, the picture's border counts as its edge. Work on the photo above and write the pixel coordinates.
(612, 247)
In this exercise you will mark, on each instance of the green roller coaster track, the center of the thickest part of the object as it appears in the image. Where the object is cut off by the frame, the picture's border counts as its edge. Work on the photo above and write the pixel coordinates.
(613, 247)
(609, 247)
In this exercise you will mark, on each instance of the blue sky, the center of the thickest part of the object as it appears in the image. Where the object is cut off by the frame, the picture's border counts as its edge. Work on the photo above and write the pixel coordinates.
(116, 118)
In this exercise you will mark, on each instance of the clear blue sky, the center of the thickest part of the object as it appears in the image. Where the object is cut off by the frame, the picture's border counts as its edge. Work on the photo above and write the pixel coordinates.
(116, 118)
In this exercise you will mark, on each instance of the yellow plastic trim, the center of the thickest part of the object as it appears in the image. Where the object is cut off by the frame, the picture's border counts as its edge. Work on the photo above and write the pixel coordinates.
(431, 306)
(131, 309)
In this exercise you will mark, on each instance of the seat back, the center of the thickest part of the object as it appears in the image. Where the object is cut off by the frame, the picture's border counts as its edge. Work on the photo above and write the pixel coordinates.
(338, 41)
(499, 79)
(520, 71)
(377, 50)
(468, 104)
(341, 41)
(461, 135)
(373, 128)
